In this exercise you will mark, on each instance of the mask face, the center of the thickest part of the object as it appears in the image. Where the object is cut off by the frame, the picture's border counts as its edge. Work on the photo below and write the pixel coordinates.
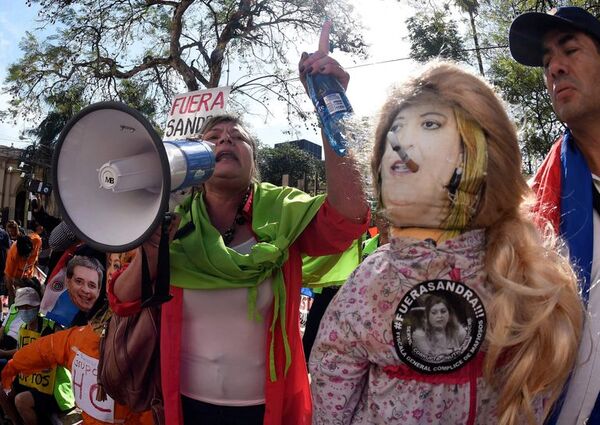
(427, 133)
(83, 287)
(28, 315)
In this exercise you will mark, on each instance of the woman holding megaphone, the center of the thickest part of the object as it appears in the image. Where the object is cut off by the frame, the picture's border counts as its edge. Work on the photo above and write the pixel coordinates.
(230, 338)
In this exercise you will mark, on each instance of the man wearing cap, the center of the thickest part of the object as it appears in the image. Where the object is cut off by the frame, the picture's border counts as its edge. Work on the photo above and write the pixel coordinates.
(566, 44)
(35, 397)
(25, 305)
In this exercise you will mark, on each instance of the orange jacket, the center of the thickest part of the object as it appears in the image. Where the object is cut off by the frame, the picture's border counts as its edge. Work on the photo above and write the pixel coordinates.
(61, 348)
(36, 240)
(18, 267)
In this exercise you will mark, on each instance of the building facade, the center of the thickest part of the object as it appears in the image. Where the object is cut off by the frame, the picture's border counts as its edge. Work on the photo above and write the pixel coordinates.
(14, 194)
(305, 145)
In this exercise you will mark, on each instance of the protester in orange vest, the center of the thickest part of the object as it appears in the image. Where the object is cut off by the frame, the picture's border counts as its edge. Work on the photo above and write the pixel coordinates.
(36, 238)
(19, 264)
(78, 349)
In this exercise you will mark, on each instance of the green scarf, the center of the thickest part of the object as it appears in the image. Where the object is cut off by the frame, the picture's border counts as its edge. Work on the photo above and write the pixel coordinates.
(370, 245)
(330, 270)
(202, 261)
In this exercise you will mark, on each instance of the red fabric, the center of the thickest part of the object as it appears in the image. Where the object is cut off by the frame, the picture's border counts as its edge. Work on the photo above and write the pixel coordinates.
(373, 231)
(469, 373)
(546, 185)
(170, 348)
(63, 260)
(329, 233)
(475, 370)
(119, 307)
(288, 398)
(460, 376)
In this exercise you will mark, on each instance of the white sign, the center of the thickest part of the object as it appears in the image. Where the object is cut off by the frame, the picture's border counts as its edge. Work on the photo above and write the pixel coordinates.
(190, 110)
(84, 374)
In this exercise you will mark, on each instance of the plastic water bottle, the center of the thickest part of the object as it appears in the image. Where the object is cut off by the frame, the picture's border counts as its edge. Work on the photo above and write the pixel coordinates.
(333, 109)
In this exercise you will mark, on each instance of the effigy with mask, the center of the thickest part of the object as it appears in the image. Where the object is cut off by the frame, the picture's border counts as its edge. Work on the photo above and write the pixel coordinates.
(440, 325)
(431, 175)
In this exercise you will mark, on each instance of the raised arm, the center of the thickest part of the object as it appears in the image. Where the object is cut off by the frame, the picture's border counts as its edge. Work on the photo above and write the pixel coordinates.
(126, 287)
(344, 187)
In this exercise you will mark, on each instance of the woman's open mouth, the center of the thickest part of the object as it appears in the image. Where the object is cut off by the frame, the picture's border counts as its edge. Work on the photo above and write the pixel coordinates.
(228, 155)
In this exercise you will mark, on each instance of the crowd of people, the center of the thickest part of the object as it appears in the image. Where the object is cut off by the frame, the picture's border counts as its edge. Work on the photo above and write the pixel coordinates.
(471, 306)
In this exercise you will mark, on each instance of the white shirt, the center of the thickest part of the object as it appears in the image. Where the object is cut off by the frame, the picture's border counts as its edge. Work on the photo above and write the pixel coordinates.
(223, 351)
(585, 382)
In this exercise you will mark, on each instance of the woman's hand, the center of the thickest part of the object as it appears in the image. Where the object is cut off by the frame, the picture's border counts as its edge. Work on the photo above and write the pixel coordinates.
(151, 244)
(320, 62)
(127, 286)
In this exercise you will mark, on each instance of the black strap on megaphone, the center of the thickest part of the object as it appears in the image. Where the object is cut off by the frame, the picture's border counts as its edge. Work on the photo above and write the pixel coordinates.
(163, 275)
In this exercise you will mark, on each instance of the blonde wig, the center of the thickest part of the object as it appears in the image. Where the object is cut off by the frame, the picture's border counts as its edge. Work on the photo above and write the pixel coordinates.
(535, 315)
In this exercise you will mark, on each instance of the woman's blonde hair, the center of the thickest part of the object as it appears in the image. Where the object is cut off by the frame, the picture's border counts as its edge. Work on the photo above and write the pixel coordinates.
(535, 315)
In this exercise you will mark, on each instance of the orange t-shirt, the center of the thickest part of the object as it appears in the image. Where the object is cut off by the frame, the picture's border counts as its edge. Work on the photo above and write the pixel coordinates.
(64, 348)
(18, 267)
(36, 240)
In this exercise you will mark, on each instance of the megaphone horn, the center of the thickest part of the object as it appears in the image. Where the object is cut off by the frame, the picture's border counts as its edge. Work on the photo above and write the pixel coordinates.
(113, 175)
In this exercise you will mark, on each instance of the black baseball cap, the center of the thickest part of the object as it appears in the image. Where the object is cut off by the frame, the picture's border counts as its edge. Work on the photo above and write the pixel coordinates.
(527, 31)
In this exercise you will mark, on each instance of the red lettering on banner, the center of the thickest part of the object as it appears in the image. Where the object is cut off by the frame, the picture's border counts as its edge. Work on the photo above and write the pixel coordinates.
(219, 100)
(198, 103)
(176, 102)
(193, 103)
(77, 384)
(204, 100)
(93, 392)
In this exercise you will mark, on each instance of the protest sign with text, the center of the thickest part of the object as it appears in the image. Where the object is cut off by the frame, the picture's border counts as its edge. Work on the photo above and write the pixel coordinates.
(190, 110)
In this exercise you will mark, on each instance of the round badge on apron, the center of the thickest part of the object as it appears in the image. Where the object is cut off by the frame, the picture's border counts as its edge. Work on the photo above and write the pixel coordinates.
(439, 326)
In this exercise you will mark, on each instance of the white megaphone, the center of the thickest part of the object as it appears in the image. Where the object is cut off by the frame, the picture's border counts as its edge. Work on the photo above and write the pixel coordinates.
(113, 175)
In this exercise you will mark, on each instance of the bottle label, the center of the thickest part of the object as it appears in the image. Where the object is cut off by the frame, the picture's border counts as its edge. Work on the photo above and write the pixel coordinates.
(334, 103)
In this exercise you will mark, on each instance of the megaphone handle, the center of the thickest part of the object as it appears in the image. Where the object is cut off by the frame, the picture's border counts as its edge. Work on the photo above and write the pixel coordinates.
(163, 275)
(146, 282)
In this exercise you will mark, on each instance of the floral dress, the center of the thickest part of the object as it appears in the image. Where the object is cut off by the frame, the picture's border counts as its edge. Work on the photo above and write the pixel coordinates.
(357, 374)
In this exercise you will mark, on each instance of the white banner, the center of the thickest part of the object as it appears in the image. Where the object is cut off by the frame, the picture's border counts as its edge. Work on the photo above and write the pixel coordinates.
(190, 110)
(84, 374)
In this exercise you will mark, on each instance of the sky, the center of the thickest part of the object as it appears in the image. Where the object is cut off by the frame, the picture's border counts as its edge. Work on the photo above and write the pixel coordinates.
(384, 32)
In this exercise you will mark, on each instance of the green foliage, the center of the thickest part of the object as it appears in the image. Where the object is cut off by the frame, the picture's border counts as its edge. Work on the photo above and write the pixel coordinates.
(62, 107)
(522, 87)
(273, 163)
(434, 36)
(171, 46)
(134, 95)
(471, 8)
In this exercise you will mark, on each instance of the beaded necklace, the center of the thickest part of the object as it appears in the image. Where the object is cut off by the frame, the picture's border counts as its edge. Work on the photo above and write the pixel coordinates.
(237, 221)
